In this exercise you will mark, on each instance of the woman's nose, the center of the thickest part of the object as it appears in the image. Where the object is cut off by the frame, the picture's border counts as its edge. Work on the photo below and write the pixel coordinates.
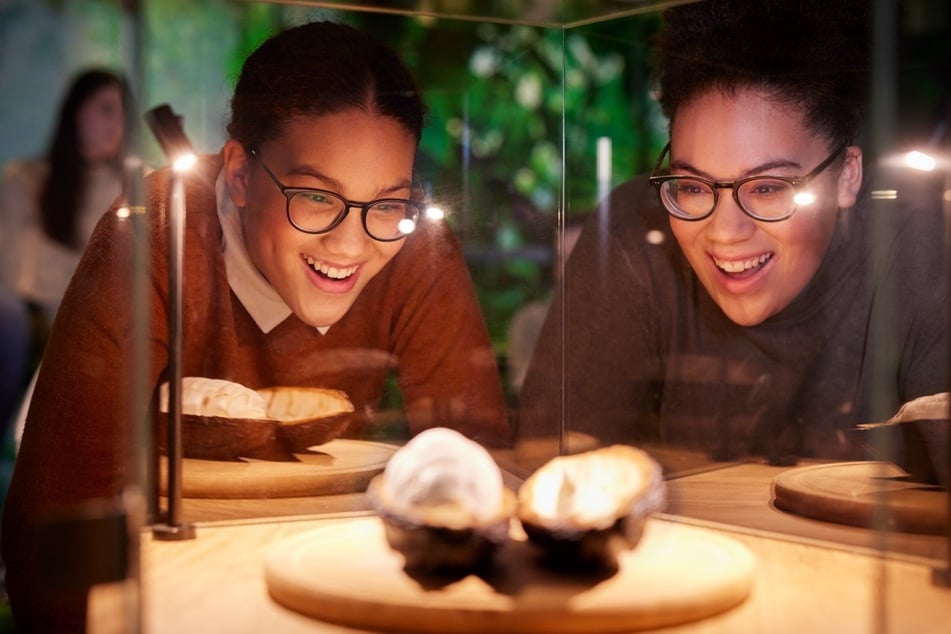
(728, 222)
(349, 237)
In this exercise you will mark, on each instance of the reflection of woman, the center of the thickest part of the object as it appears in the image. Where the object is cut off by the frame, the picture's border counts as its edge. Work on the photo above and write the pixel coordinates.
(288, 281)
(49, 206)
(728, 312)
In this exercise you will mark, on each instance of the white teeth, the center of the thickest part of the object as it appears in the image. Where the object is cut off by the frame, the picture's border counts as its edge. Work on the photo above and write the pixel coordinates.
(330, 271)
(742, 265)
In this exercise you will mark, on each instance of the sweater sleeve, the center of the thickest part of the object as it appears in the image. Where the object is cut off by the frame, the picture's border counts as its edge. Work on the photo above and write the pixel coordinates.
(75, 453)
(73, 447)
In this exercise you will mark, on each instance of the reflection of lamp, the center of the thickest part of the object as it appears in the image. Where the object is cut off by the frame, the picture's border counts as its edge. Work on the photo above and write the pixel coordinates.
(924, 159)
(167, 128)
(916, 159)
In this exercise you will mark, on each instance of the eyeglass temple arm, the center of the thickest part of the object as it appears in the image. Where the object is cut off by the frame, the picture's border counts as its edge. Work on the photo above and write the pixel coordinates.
(660, 159)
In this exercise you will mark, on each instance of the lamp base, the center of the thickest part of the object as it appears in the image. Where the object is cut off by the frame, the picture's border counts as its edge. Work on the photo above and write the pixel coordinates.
(176, 532)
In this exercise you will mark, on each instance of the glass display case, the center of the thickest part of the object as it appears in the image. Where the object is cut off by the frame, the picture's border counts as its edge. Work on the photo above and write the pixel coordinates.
(542, 118)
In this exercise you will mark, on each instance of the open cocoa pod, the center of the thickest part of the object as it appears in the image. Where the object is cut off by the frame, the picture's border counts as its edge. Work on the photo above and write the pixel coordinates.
(443, 503)
(582, 510)
(222, 420)
(307, 416)
(219, 437)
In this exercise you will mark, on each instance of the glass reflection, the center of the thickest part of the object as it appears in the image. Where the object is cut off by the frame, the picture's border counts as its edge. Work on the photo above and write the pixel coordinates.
(531, 132)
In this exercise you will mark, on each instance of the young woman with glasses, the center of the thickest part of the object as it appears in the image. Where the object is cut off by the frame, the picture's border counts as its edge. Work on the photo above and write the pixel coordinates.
(307, 262)
(750, 296)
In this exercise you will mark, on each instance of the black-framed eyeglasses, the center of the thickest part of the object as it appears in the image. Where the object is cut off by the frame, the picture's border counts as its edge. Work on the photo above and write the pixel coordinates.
(765, 198)
(320, 210)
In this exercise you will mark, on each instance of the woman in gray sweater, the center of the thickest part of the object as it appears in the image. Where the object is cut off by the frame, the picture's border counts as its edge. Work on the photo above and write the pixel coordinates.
(751, 296)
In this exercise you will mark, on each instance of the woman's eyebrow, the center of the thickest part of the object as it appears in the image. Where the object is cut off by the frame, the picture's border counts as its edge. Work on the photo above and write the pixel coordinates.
(684, 166)
(335, 185)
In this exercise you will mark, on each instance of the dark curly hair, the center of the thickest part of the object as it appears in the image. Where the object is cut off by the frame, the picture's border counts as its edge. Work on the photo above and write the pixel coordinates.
(808, 54)
(320, 68)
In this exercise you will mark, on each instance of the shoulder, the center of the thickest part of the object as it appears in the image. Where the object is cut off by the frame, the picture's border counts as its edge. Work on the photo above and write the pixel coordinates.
(430, 267)
(114, 232)
(907, 207)
(199, 180)
(430, 251)
(631, 224)
(896, 234)
(26, 174)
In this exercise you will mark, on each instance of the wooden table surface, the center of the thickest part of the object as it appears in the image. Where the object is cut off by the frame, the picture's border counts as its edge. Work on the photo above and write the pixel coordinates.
(216, 583)
(740, 495)
(811, 576)
(732, 494)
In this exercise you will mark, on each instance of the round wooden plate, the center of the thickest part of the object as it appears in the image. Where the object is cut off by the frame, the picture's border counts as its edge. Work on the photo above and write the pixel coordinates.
(339, 466)
(347, 574)
(870, 494)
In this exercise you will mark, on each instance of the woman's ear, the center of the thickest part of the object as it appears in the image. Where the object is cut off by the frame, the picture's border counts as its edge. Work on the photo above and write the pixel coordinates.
(850, 178)
(237, 170)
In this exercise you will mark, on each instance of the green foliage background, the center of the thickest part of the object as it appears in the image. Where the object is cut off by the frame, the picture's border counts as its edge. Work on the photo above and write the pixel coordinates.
(515, 111)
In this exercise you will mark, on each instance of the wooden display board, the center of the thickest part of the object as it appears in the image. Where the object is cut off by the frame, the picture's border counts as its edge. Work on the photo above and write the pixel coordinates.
(870, 494)
(339, 466)
(348, 574)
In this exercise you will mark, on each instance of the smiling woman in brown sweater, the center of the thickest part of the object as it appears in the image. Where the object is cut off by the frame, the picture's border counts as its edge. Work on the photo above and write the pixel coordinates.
(287, 281)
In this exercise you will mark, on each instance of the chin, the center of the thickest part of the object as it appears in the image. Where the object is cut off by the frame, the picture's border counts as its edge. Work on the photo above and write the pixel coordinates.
(324, 322)
(321, 312)
(325, 319)
(744, 317)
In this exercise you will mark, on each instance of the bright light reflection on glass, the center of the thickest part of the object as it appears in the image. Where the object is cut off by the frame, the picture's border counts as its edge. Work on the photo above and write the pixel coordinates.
(184, 162)
(123, 212)
(919, 161)
(406, 226)
(435, 213)
(803, 199)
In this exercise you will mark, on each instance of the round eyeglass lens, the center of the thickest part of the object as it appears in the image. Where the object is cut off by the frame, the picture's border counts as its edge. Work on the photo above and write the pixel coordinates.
(389, 219)
(687, 197)
(767, 197)
(315, 211)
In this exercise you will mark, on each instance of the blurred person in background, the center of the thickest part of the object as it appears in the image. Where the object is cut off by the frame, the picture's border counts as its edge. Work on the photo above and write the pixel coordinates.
(49, 205)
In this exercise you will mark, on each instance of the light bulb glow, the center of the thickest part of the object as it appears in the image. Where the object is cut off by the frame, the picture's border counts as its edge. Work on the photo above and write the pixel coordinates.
(406, 226)
(435, 213)
(803, 199)
(920, 161)
(184, 162)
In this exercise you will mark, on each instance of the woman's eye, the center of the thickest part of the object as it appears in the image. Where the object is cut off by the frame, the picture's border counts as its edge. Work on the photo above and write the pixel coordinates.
(691, 188)
(768, 188)
(316, 198)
